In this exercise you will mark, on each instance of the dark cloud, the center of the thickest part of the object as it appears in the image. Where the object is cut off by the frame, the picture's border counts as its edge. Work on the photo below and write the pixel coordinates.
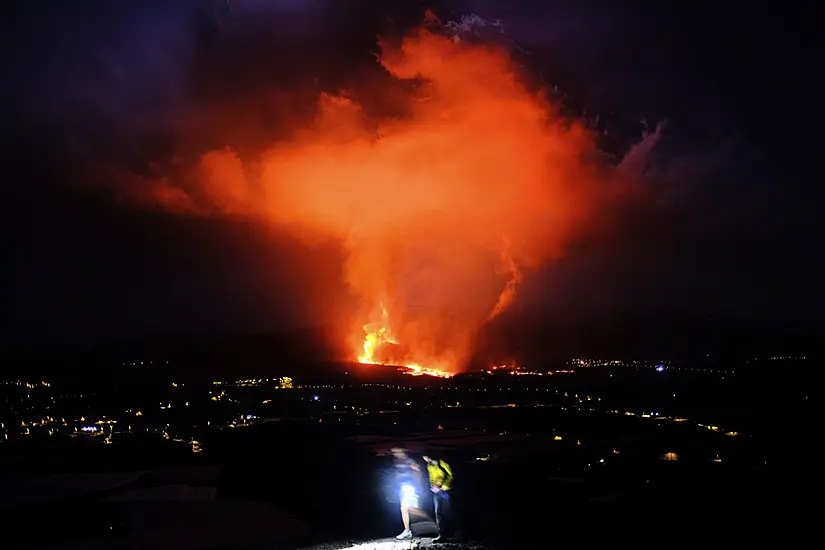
(730, 223)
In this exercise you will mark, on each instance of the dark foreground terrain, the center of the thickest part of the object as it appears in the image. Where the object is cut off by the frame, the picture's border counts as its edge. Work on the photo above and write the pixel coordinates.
(537, 464)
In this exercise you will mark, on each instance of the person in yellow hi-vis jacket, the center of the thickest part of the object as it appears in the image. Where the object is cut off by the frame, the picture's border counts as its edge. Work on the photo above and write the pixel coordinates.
(441, 483)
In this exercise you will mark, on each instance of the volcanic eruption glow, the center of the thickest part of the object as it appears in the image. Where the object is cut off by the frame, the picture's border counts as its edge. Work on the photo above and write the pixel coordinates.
(378, 335)
(439, 209)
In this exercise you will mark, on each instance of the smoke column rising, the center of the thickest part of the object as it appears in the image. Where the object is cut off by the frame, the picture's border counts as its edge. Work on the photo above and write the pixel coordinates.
(439, 210)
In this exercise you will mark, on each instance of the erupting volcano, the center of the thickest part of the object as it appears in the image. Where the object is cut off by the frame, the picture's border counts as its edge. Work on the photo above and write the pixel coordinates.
(378, 347)
(439, 206)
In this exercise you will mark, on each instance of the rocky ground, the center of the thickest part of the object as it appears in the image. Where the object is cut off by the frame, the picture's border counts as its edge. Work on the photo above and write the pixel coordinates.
(393, 544)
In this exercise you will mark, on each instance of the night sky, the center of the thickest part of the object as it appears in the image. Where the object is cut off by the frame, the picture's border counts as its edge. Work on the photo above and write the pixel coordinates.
(730, 228)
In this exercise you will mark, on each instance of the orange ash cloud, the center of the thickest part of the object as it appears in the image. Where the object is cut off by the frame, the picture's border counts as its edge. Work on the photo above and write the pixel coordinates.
(439, 210)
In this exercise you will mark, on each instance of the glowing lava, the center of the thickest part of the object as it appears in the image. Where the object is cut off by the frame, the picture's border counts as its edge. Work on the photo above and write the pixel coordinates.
(377, 334)
(380, 334)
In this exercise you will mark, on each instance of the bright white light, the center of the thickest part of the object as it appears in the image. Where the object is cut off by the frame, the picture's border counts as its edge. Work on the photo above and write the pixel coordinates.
(408, 496)
(89, 428)
(381, 545)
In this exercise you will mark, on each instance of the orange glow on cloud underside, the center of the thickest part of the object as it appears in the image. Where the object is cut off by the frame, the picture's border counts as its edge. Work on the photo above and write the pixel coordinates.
(439, 210)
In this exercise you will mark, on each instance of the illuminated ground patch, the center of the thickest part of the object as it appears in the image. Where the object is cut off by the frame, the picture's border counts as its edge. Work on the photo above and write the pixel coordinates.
(393, 544)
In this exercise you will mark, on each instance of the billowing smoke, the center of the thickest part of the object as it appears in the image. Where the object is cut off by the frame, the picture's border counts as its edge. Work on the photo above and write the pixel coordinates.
(441, 206)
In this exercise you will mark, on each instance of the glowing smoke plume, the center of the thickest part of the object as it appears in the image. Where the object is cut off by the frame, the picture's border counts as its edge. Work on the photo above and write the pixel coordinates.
(439, 210)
